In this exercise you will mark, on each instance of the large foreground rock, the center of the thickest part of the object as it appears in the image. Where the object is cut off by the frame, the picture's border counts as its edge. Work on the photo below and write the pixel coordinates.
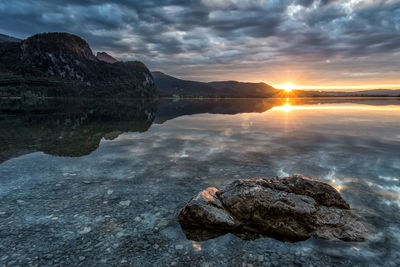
(289, 208)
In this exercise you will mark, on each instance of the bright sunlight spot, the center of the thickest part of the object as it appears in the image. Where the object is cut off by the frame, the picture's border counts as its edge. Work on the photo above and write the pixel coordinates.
(287, 87)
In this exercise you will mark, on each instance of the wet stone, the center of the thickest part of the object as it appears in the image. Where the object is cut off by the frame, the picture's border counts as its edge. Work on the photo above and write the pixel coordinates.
(291, 208)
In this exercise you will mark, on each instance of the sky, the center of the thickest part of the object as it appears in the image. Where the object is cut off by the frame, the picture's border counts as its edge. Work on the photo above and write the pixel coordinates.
(311, 44)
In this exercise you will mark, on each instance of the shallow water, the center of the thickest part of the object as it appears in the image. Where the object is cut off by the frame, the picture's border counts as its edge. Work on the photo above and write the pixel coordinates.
(100, 183)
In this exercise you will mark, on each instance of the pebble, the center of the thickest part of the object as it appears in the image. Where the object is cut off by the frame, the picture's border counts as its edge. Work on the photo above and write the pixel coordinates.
(2, 212)
(260, 257)
(179, 247)
(85, 230)
(109, 192)
(81, 258)
(125, 203)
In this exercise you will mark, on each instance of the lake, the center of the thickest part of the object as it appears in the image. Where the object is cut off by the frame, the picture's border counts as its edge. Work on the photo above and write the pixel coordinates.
(101, 182)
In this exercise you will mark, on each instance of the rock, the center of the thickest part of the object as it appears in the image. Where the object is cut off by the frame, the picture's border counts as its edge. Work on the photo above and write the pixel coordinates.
(179, 247)
(125, 203)
(85, 230)
(290, 208)
(206, 211)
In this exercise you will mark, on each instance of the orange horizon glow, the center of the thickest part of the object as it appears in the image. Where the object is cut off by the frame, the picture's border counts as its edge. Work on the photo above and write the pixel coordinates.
(291, 86)
(301, 80)
(347, 88)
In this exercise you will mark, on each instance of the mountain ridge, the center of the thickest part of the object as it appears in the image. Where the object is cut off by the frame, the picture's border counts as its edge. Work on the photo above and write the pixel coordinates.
(169, 86)
(63, 65)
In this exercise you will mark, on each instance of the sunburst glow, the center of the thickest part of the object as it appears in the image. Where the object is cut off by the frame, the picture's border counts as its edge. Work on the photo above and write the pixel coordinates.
(287, 87)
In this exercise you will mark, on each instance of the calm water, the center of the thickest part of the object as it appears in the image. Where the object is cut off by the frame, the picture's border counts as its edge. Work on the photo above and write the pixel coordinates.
(100, 183)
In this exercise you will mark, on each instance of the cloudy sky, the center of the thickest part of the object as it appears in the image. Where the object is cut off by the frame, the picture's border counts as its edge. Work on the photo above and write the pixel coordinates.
(310, 43)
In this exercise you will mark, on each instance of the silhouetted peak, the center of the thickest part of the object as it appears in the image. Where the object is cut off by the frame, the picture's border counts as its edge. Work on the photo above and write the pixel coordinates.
(59, 43)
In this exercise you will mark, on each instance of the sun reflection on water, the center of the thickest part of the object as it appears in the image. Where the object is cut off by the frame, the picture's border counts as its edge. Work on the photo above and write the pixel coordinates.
(286, 107)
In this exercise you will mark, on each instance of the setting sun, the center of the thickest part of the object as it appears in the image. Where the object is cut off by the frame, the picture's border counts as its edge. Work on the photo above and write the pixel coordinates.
(287, 87)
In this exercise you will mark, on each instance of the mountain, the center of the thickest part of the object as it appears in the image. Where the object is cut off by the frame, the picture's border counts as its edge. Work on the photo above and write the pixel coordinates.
(5, 39)
(63, 65)
(103, 56)
(169, 86)
(244, 88)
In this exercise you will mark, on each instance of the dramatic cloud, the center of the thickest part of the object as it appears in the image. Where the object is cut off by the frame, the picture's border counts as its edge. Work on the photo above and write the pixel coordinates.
(320, 42)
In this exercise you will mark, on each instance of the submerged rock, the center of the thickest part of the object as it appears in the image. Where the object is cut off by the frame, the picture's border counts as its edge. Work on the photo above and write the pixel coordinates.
(290, 208)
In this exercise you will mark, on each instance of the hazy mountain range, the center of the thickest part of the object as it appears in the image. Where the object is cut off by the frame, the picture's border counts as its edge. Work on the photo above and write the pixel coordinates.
(168, 85)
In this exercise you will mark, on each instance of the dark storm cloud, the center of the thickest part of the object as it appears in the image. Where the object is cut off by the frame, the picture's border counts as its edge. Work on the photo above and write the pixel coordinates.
(185, 33)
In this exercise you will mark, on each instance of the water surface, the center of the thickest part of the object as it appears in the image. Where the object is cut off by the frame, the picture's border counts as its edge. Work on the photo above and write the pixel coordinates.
(85, 183)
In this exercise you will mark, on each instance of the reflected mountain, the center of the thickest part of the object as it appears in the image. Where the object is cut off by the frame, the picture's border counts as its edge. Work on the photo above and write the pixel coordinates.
(74, 128)
(67, 128)
(168, 110)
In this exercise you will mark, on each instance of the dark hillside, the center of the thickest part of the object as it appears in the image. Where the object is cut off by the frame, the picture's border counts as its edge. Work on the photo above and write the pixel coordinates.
(62, 64)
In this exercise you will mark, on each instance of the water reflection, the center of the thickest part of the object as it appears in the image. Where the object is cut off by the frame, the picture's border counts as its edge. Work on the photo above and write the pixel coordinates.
(131, 166)
(67, 128)
(75, 127)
